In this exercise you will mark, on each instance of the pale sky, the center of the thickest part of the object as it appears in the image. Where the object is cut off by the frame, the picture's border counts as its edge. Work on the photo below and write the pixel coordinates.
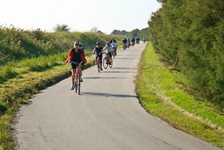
(79, 15)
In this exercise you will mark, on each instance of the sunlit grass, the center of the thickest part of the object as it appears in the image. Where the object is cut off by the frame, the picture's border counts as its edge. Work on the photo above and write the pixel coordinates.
(161, 94)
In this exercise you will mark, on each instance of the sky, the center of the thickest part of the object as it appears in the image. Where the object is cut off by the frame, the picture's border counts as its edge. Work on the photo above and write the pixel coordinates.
(78, 15)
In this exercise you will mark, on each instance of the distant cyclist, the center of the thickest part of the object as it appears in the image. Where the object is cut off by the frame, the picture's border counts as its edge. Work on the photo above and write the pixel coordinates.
(98, 50)
(129, 42)
(113, 40)
(113, 44)
(75, 55)
(133, 41)
(81, 47)
(124, 43)
(137, 40)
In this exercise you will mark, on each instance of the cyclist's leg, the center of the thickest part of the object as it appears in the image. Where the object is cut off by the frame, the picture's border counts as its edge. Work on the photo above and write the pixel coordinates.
(80, 73)
(73, 75)
(73, 66)
(100, 60)
(110, 56)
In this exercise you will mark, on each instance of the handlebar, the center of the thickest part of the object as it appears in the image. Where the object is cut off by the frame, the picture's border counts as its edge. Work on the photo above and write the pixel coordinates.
(76, 63)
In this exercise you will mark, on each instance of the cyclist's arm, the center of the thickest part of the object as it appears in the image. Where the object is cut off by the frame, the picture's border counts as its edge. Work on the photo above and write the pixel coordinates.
(82, 55)
(105, 49)
(94, 50)
(70, 56)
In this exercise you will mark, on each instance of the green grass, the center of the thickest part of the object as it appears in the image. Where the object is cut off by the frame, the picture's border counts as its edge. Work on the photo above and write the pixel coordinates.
(18, 90)
(163, 92)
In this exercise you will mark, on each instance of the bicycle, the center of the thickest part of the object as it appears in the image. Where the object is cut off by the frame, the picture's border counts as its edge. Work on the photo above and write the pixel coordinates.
(77, 77)
(124, 46)
(113, 52)
(98, 62)
(107, 61)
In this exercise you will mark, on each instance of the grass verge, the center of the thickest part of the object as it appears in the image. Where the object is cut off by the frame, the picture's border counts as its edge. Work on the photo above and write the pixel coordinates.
(18, 90)
(164, 93)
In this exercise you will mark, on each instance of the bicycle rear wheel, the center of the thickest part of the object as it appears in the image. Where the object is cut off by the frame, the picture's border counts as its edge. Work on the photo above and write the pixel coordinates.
(111, 63)
(105, 64)
(75, 87)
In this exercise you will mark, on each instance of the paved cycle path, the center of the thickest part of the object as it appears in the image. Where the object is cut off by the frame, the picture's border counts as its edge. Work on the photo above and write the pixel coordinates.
(106, 116)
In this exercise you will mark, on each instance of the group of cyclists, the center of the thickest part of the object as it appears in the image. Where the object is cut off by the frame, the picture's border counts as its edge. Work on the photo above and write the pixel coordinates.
(77, 55)
(127, 42)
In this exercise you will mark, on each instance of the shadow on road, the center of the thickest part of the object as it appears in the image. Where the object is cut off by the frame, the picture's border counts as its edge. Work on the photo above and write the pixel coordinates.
(108, 95)
(124, 68)
(125, 58)
(119, 72)
(105, 78)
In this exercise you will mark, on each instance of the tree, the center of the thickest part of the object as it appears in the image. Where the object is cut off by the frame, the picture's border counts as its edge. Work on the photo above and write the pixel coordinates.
(61, 28)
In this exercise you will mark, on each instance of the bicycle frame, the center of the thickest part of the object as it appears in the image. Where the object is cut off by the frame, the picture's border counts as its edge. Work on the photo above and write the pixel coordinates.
(77, 78)
(98, 62)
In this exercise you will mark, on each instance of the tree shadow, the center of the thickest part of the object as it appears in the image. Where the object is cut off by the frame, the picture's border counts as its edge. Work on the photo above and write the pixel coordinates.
(108, 95)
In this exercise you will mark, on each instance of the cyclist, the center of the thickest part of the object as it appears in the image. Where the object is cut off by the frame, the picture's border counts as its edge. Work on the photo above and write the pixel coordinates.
(124, 43)
(76, 55)
(108, 50)
(133, 41)
(112, 39)
(129, 42)
(98, 50)
(81, 47)
(113, 44)
(137, 40)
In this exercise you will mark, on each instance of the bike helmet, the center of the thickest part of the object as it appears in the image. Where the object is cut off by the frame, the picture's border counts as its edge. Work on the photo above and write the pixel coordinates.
(80, 43)
(97, 43)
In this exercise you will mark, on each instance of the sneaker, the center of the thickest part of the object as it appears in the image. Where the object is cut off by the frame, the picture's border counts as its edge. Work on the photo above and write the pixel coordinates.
(81, 80)
(72, 86)
(101, 69)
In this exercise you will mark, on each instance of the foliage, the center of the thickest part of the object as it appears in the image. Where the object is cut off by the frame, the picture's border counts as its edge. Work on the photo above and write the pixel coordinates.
(164, 93)
(142, 34)
(61, 28)
(193, 32)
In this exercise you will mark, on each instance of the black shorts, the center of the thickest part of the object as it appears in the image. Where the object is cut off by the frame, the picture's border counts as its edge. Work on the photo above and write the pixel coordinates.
(100, 57)
(74, 66)
(110, 54)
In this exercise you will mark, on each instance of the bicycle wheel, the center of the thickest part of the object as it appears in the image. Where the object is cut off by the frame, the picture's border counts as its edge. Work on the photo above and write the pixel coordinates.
(111, 63)
(98, 67)
(75, 87)
(105, 64)
(78, 85)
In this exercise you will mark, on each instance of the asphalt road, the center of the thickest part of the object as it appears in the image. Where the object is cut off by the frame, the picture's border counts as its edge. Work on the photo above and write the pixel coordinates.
(106, 116)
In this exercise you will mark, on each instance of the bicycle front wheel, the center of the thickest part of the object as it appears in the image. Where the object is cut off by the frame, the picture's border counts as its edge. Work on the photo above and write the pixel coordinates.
(98, 67)
(105, 64)
(78, 85)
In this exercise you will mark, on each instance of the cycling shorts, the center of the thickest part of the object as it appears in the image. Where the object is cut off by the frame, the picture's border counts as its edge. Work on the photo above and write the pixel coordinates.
(74, 66)
(100, 57)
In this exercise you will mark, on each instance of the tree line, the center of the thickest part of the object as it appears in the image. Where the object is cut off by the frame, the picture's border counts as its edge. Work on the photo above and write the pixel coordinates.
(191, 33)
(142, 34)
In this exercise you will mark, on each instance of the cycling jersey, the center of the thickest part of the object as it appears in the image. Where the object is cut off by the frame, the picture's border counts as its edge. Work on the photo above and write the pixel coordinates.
(75, 56)
(108, 49)
(98, 50)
